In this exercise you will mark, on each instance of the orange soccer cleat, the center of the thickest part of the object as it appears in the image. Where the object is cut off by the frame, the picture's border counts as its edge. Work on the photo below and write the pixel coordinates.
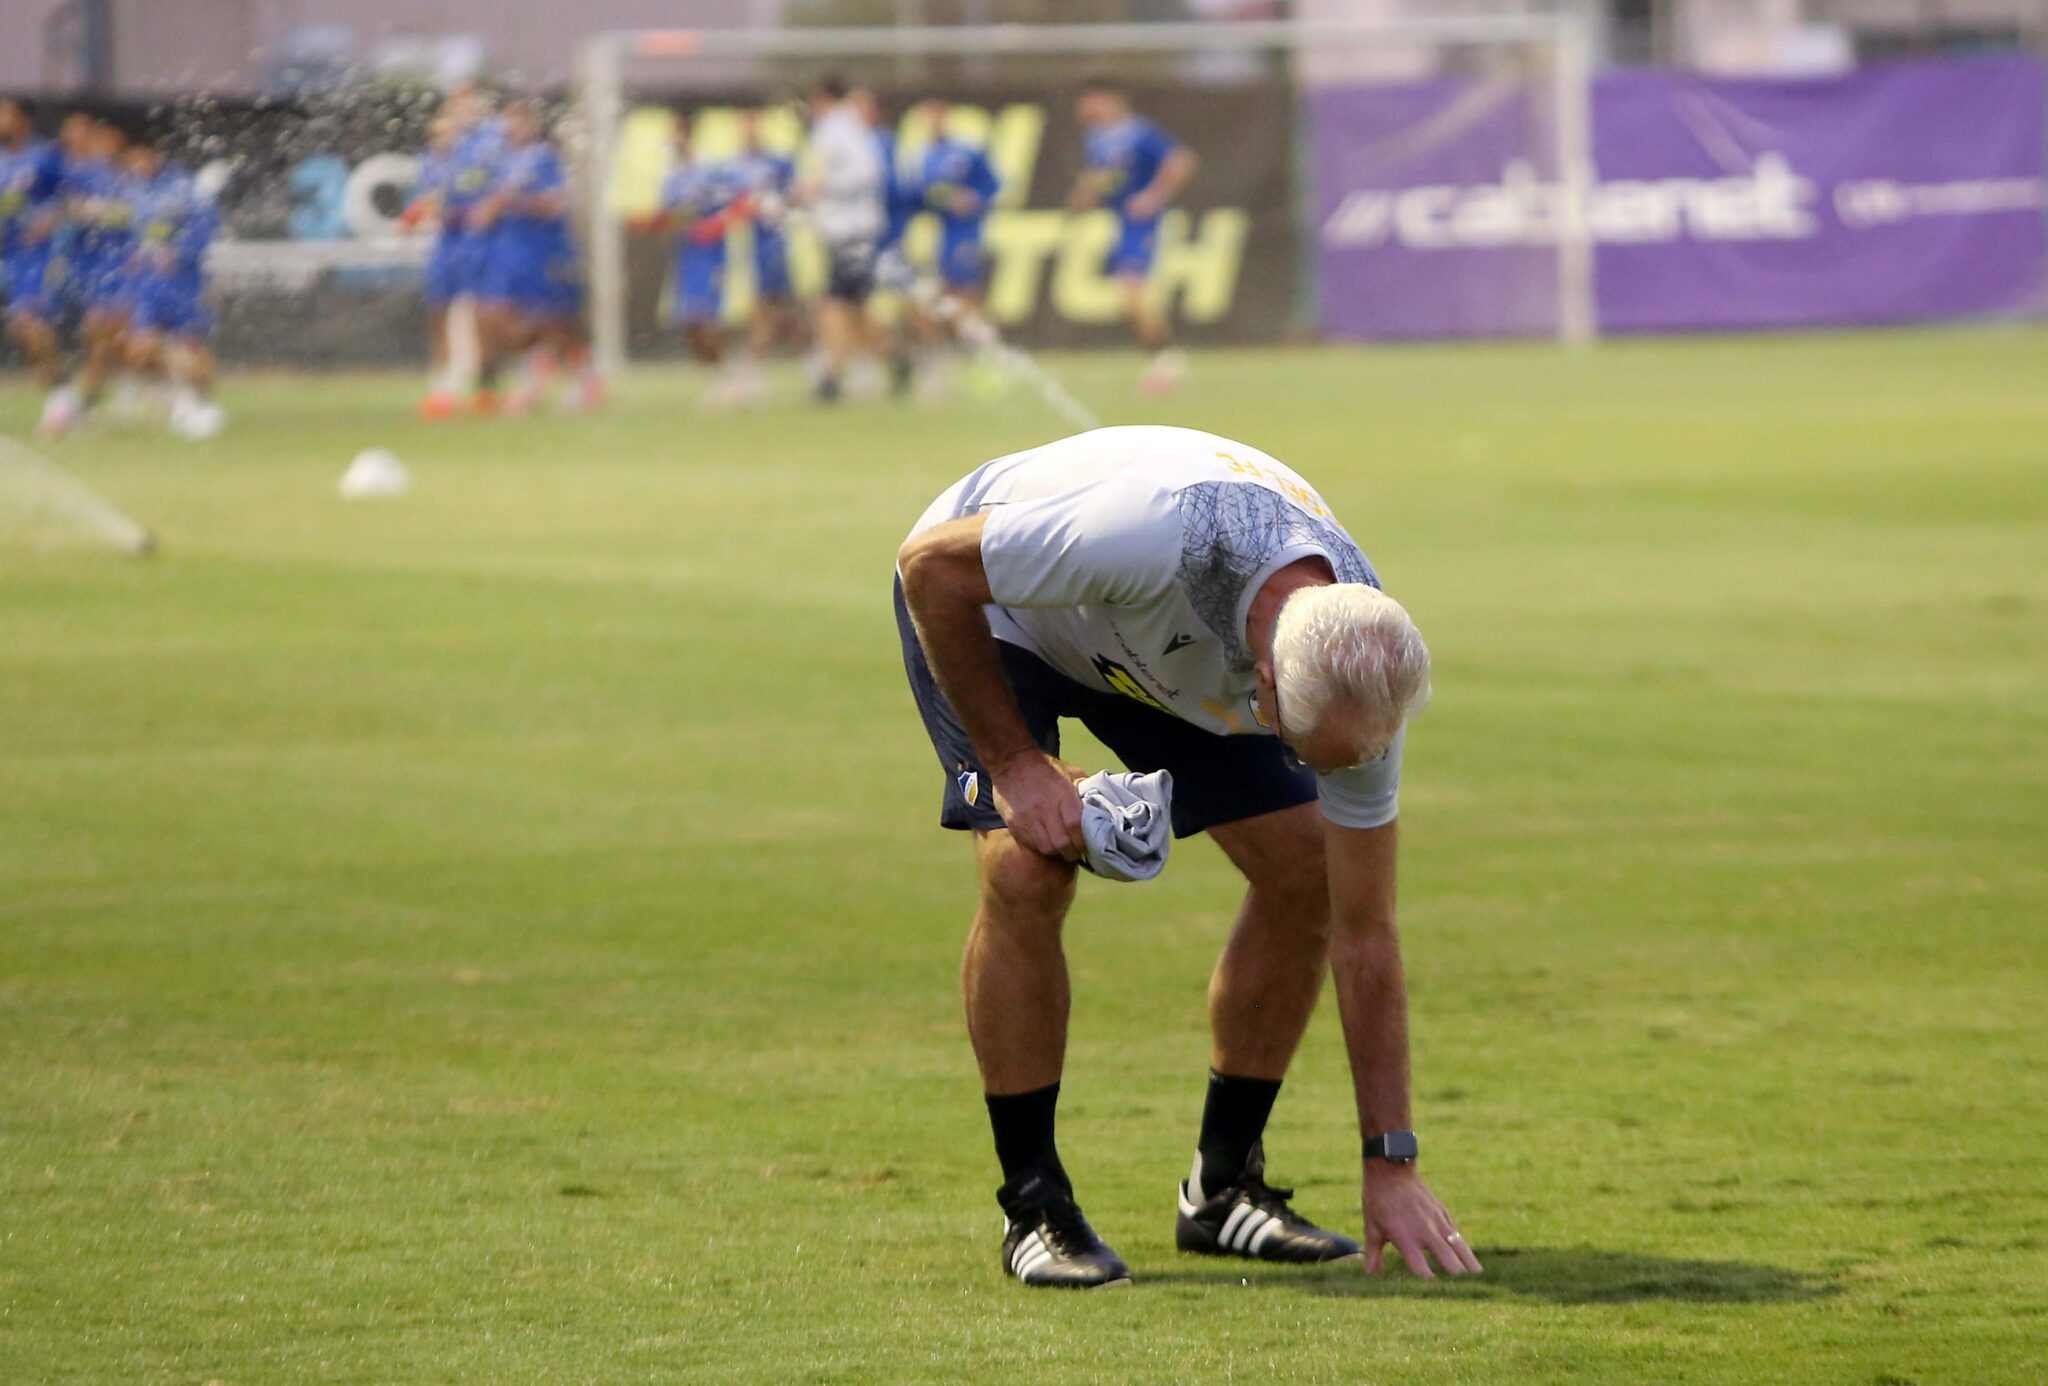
(438, 406)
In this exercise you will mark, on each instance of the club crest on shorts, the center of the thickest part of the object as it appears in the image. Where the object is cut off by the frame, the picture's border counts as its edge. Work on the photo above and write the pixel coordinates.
(970, 786)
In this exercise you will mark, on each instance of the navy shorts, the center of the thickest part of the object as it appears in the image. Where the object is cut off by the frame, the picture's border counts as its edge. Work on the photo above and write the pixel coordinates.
(1216, 779)
(851, 277)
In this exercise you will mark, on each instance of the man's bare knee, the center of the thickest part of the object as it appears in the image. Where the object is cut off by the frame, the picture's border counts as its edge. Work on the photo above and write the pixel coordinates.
(1021, 885)
(1281, 858)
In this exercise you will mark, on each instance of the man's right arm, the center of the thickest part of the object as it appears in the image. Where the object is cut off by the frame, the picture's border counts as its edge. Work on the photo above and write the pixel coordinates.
(1086, 195)
(945, 586)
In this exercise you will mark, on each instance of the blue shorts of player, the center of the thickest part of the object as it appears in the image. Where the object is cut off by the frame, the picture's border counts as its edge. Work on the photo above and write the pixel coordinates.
(700, 283)
(963, 262)
(1135, 244)
(33, 284)
(771, 266)
(1216, 779)
(100, 284)
(172, 304)
(535, 274)
(455, 268)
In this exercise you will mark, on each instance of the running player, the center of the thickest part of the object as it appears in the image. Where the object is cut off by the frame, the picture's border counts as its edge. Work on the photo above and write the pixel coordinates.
(700, 201)
(959, 184)
(531, 294)
(31, 178)
(769, 179)
(465, 175)
(844, 194)
(167, 284)
(1136, 170)
(98, 195)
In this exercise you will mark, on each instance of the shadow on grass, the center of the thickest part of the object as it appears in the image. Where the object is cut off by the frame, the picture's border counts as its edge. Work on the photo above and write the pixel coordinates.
(1557, 1275)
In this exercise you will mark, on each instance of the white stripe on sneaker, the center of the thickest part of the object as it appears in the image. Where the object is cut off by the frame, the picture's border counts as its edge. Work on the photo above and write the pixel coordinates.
(1231, 1224)
(1250, 1226)
(1264, 1233)
(1032, 1263)
(1025, 1249)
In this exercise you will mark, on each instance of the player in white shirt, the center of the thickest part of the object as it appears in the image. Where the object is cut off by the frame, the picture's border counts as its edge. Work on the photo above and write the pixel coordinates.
(1195, 604)
(843, 194)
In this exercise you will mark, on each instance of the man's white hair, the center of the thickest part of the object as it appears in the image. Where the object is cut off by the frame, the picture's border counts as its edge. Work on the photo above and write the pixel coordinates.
(1349, 646)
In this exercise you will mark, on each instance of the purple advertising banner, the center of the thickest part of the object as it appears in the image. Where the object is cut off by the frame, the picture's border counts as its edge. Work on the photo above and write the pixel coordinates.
(1900, 192)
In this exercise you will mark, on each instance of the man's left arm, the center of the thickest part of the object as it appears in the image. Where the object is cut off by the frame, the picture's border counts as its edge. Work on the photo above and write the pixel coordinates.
(1372, 997)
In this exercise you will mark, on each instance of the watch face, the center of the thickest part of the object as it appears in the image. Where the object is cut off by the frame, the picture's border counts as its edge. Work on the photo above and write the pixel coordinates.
(1401, 1145)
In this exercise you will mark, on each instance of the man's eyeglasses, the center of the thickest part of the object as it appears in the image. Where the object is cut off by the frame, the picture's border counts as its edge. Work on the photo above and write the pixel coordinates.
(1287, 755)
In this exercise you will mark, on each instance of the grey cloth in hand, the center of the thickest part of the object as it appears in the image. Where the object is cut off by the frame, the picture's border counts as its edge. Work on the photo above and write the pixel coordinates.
(1127, 823)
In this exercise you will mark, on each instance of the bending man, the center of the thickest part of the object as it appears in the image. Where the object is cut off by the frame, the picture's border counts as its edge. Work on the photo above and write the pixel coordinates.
(1195, 604)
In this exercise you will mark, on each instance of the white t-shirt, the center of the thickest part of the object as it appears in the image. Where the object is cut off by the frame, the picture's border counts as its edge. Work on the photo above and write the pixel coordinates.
(1127, 558)
(847, 204)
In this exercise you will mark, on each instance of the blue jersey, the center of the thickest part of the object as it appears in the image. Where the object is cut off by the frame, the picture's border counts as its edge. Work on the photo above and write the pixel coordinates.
(1130, 152)
(691, 192)
(762, 173)
(166, 283)
(175, 225)
(700, 189)
(30, 178)
(99, 203)
(951, 166)
(533, 170)
(471, 172)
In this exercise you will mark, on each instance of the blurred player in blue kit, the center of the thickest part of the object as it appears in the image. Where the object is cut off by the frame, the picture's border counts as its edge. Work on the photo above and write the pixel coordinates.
(96, 243)
(31, 178)
(770, 180)
(529, 289)
(170, 321)
(1135, 169)
(957, 184)
(459, 173)
(701, 199)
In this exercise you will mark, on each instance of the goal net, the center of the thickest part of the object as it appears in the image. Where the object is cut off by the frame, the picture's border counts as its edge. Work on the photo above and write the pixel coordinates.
(1404, 179)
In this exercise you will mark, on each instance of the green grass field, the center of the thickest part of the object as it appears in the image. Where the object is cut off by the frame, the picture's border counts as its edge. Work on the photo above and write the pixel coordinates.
(501, 935)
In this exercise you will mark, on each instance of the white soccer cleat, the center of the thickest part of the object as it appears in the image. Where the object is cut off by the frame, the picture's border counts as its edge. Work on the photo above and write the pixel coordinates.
(864, 379)
(197, 419)
(1168, 369)
(62, 412)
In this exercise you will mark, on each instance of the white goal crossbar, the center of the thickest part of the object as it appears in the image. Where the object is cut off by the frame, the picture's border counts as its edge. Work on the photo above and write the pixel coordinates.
(1566, 36)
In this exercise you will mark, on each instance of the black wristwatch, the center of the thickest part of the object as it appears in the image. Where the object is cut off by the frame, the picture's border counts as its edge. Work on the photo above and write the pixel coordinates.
(1395, 1147)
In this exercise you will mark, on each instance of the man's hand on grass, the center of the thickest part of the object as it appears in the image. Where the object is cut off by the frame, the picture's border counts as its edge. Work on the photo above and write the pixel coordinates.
(1399, 1208)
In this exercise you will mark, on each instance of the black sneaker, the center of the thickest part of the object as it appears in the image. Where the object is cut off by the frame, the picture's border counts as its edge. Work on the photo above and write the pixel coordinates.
(1046, 1241)
(1251, 1219)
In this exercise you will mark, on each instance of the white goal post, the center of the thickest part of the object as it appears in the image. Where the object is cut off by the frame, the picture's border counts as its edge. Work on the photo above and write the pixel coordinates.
(1564, 38)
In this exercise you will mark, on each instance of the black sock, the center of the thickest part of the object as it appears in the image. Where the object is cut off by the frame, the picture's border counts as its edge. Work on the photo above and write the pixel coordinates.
(1233, 1120)
(1023, 1126)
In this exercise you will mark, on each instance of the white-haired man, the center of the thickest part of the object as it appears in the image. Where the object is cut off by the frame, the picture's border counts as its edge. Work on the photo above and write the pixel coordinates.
(1195, 604)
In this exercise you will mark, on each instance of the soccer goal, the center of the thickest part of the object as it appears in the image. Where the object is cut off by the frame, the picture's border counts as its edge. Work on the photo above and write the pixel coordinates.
(1311, 135)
